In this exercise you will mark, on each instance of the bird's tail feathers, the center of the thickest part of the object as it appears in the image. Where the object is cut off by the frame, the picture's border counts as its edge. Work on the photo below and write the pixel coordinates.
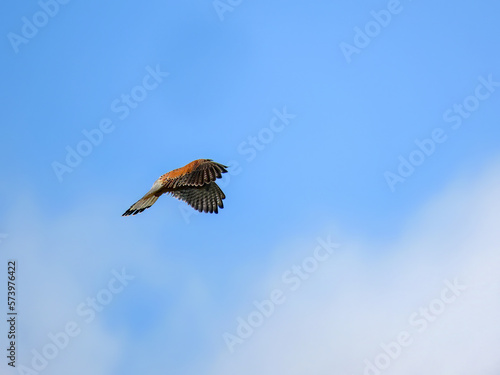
(142, 204)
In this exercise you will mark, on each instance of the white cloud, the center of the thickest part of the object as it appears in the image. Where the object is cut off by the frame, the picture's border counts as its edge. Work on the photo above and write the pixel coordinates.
(361, 296)
(365, 295)
(61, 263)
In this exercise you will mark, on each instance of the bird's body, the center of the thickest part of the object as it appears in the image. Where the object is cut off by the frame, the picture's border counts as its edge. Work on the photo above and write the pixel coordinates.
(194, 184)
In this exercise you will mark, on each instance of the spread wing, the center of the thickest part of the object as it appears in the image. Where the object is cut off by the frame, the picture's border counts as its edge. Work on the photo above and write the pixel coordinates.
(193, 184)
(197, 173)
(204, 199)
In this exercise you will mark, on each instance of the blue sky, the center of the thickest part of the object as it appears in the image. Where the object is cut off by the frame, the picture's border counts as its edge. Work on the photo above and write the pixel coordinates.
(221, 78)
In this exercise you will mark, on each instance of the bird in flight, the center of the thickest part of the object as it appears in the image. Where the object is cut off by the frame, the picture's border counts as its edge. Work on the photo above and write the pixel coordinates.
(194, 184)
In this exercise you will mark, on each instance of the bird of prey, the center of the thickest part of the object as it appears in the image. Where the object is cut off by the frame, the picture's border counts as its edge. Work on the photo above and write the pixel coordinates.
(194, 184)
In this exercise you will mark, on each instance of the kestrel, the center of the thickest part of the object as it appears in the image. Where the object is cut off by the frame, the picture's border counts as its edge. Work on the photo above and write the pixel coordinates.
(193, 184)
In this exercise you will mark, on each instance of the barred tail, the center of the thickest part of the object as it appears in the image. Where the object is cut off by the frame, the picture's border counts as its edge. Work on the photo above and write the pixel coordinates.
(139, 206)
